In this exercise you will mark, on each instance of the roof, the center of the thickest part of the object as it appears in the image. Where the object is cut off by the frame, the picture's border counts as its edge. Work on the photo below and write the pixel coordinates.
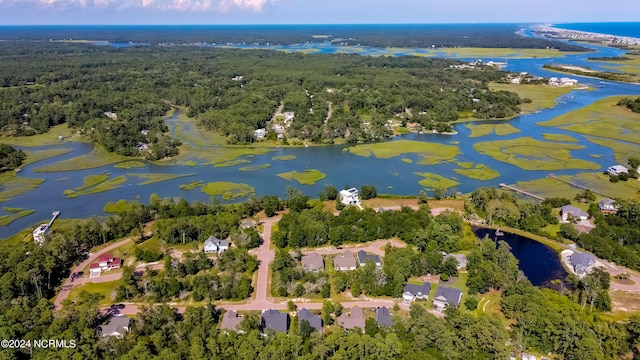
(106, 257)
(354, 320)
(95, 266)
(313, 262)
(460, 258)
(450, 295)
(345, 260)
(314, 320)
(414, 289)
(352, 191)
(618, 168)
(231, 321)
(574, 211)
(275, 320)
(117, 324)
(580, 259)
(383, 316)
(212, 240)
(249, 222)
(363, 257)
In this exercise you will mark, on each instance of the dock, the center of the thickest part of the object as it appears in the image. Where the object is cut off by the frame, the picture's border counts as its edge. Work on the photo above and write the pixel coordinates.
(505, 186)
(577, 186)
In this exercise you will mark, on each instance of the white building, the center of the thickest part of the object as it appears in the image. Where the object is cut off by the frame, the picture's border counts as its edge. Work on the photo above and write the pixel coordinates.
(40, 232)
(574, 212)
(260, 133)
(349, 196)
(215, 245)
(616, 170)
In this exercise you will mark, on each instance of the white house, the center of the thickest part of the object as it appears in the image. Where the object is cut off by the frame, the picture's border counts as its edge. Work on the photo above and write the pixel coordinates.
(288, 116)
(349, 196)
(40, 232)
(616, 170)
(215, 245)
(260, 133)
(568, 82)
(574, 212)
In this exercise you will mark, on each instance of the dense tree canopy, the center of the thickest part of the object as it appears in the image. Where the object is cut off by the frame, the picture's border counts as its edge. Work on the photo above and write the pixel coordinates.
(10, 158)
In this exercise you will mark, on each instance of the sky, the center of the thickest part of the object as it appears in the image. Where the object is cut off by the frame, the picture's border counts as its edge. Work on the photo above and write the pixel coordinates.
(213, 12)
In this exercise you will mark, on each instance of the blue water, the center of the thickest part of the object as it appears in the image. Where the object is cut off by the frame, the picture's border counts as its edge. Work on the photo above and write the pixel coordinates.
(613, 28)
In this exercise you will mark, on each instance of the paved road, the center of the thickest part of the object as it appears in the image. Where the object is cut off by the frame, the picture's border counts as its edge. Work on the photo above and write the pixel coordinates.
(374, 247)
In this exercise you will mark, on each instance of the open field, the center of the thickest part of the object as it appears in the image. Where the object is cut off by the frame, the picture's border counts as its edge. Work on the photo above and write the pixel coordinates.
(48, 138)
(14, 214)
(254, 167)
(130, 164)
(39, 155)
(106, 289)
(530, 154)
(155, 178)
(547, 187)
(559, 137)
(434, 181)
(602, 118)
(480, 172)
(12, 185)
(623, 304)
(623, 150)
(228, 190)
(431, 153)
(96, 183)
(284, 157)
(542, 96)
(98, 157)
(306, 177)
(487, 129)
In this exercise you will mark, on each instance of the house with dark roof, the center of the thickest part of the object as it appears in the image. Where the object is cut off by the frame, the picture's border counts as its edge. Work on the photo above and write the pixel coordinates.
(608, 206)
(314, 320)
(446, 296)
(413, 291)
(274, 320)
(383, 316)
(118, 326)
(363, 257)
(355, 319)
(345, 261)
(313, 262)
(231, 321)
(582, 262)
(215, 245)
(574, 212)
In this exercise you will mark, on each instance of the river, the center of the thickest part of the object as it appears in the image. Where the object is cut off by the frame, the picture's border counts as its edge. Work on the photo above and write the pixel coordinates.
(341, 168)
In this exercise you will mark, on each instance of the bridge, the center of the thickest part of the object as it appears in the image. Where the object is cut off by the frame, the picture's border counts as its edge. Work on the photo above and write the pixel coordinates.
(577, 186)
(505, 186)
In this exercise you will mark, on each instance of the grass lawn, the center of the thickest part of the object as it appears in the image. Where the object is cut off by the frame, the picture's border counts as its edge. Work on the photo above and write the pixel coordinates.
(480, 172)
(255, 167)
(433, 181)
(530, 154)
(130, 164)
(457, 204)
(306, 177)
(430, 153)
(228, 190)
(487, 129)
(98, 157)
(155, 178)
(96, 183)
(602, 118)
(39, 155)
(106, 289)
(15, 214)
(48, 138)
(382, 202)
(559, 137)
(542, 95)
(12, 185)
(284, 157)
(551, 229)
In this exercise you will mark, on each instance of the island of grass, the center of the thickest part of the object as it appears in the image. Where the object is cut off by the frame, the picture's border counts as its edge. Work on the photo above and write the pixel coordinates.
(12, 185)
(542, 96)
(434, 181)
(232, 163)
(228, 190)
(130, 164)
(530, 154)
(487, 129)
(623, 150)
(156, 178)
(15, 214)
(407, 160)
(255, 167)
(480, 172)
(39, 155)
(117, 207)
(306, 177)
(430, 153)
(192, 185)
(284, 157)
(98, 157)
(559, 137)
(96, 183)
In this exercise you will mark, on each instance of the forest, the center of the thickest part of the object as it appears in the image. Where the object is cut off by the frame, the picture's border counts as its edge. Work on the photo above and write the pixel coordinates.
(10, 158)
(118, 97)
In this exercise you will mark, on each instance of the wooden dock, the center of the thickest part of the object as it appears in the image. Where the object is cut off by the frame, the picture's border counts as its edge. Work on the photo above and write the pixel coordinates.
(552, 176)
(505, 186)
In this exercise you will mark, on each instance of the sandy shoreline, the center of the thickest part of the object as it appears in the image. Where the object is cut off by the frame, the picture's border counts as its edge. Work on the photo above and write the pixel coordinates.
(549, 31)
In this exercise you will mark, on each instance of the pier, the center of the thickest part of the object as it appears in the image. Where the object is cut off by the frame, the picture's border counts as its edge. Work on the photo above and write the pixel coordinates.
(505, 186)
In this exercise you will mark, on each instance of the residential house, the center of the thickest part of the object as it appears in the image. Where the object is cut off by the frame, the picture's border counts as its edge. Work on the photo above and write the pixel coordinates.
(213, 245)
(345, 261)
(413, 291)
(109, 262)
(313, 262)
(274, 320)
(616, 170)
(95, 270)
(314, 320)
(568, 82)
(582, 262)
(247, 223)
(118, 326)
(460, 258)
(383, 316)
(111, 115)
(231, 321)
(40, 232)
(363, 257)
(288, 116)
(354, 320)
(446, 296)
(261, 133)
(574, 212)
(349, 196)
(608, 206)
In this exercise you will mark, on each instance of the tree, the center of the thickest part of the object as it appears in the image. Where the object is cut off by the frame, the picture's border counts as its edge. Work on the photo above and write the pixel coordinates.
(422, 197)
(568, 231)
(329, 193)
(371, 327)
(327, 309)
(291, 306)
(305, 329)
(439, 193)
(368, 192)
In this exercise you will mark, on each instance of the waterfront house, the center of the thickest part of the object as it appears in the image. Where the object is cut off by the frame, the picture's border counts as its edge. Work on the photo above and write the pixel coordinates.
(261, 133)
(345, 261)
(608, 206)
(314, 320)
(363, 257)
(349, 196)
(446, 296)
(274, 320)
(213, 245)
(313, 262)
(383, 316)
(40, 232)
(582, 262)
(413, 291)
(231, 321)
(118, 326)
(355, 319)
(616, 170)
(574, 212)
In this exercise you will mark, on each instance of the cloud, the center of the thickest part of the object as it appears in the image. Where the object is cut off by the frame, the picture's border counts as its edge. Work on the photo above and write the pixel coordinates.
(163, 5)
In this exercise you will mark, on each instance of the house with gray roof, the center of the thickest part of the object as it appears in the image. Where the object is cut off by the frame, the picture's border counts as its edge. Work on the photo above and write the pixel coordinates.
(345, 261)
(313, 262)
(446, 296)
(582, 262)
(608, 206)
(574, 212)
(383, 316)
(354, 320)
(314, 320)
(274, 320)
(231, 321)
(460, 258)
(413, 291)
(118, 326)
(215, 245)
(363, 257)
(247, 223)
